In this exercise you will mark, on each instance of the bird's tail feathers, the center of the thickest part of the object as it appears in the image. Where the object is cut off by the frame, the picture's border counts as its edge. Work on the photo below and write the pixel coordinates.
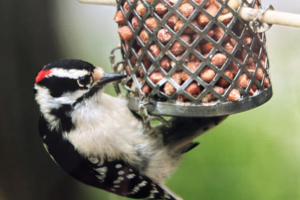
(184, 130)
(170, 195)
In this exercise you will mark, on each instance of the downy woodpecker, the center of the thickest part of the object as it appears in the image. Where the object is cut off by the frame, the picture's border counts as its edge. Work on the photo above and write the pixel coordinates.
(96, 139)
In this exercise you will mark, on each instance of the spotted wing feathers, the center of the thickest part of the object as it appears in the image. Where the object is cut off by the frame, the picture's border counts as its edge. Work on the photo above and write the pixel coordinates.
(113, 176)
(121, 179)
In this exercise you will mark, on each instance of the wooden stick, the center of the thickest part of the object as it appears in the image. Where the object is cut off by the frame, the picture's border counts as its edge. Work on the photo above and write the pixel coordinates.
(102, 2)
(247, 14)
(270, 17)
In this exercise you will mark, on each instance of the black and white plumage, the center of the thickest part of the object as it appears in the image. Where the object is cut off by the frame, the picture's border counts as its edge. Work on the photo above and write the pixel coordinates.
(96, 139)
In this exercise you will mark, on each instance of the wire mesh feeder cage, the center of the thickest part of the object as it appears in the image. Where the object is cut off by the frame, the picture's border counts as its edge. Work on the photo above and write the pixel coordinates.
(192, 58)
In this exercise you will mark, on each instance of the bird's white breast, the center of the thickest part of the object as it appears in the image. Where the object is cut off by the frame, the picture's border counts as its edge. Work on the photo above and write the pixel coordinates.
(105, 125)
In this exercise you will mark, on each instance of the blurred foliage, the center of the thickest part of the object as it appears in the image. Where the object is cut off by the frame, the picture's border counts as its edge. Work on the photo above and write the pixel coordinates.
(251, 155)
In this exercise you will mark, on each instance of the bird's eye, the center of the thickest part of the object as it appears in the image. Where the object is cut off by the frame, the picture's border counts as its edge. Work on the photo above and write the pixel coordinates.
(85, 81)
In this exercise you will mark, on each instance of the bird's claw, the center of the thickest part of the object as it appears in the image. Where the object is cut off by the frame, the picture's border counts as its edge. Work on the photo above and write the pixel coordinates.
(147, 118)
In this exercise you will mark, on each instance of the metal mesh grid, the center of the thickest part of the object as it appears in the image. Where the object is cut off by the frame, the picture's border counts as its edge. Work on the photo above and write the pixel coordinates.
(215, 74)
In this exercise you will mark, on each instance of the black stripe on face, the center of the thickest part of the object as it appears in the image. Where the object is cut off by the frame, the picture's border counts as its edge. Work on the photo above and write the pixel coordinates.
(62, 113)
(58, 85)
(71, 64)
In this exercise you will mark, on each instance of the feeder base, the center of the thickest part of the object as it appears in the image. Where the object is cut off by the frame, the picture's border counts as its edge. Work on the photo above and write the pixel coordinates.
(207, 110)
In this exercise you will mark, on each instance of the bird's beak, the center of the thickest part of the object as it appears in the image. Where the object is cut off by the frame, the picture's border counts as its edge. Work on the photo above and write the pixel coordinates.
(107, 78)
(102, 78)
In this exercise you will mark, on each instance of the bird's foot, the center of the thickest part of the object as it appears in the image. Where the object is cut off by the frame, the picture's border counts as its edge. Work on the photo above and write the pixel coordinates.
(147, 118)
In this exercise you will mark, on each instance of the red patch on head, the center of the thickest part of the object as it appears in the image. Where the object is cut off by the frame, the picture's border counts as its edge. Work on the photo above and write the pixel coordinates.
(41, 75)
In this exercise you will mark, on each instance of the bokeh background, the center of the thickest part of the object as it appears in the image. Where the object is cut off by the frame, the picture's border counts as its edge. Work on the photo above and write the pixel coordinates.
(252, 155)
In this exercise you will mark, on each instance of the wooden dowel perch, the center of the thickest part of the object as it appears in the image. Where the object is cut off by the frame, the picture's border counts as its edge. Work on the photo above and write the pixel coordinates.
(102, 2)
(271, 17)
(247, 14)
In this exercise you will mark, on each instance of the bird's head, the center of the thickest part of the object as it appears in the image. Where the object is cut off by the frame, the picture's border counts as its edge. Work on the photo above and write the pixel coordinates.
(69, 83)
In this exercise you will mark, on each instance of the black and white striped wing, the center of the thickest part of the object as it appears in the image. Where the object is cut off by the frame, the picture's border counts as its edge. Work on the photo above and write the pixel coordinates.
(113, 176)
(121, 179)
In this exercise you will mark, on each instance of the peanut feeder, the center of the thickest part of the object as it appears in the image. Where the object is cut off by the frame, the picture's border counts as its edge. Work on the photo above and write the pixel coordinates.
(195, 58)
(192, 58)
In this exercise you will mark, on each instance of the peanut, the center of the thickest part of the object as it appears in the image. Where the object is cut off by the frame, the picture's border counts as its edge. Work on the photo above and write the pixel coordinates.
(207, 74)
(259, 74)
(177, 77)
(251, 67)
(233, 67)
(219, 90)
(247, 40)
(134, 22)
(172, 20)
(193, 89)
(165, 63)
(206, 4)
(160, 8)
(232, 41)
(126, 7)
(163, 36)
(218, 59)
(210, 97)
(203, 19)
(178, 25)
(219, 32)
(223, 82)
(228, 47)
(140, 8)
(151, 23)
(186, 9)
(155, 50)
(253, 89)
(266, 83)
(192, 66)
(119, 18)
(234, 95)
(225, 18)
(243, 81)
(155, 77)
(146, 89)
(177, 48)
(169, 89)
(206, 47)
(125, 33)
(144, 36)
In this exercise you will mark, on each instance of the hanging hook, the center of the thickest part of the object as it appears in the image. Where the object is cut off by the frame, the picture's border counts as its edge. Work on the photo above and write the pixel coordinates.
(116, 68)
(259, 27)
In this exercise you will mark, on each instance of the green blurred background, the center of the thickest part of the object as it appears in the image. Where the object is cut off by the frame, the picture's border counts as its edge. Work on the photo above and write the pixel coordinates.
(251, 155)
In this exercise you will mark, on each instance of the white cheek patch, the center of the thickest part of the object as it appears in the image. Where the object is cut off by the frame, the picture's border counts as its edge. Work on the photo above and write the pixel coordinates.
(43, 97)
(48, 103)
(72, 73)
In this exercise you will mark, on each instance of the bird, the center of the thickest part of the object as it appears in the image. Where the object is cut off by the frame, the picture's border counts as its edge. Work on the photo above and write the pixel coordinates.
(96, 139)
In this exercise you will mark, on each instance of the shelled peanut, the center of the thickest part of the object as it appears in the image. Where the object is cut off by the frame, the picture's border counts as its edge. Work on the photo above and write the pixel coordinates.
(196, 63)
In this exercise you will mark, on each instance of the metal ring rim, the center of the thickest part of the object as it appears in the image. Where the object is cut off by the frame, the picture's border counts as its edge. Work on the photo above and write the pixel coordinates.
(218, 109)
